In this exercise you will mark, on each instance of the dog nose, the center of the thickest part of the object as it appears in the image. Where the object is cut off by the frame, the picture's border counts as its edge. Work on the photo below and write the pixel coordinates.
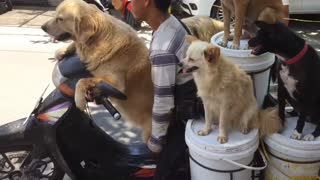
(180, 64)
(44, 28)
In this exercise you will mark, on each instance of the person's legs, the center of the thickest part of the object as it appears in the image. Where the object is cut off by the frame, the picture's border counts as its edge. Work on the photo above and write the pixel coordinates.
(173, 154)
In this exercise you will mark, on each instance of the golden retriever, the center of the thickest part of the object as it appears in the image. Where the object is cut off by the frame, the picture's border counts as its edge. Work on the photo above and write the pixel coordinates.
(113, 53)
(227, 93)
(246, 13)
(203, 27)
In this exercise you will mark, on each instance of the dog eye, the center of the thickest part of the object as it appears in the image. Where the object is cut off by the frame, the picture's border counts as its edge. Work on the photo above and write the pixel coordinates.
(191, 60)
(59, 19)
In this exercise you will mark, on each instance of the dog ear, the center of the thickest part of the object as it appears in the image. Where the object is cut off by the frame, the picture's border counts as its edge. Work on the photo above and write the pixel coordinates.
(190, 38)
(85, 27)
(212, 53)
(265, 26)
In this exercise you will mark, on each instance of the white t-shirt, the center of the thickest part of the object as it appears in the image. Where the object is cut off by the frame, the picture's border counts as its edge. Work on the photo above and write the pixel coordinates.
(285, 2)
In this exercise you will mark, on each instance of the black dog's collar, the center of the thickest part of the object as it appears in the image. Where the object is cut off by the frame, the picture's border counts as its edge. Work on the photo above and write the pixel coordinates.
(298, 56)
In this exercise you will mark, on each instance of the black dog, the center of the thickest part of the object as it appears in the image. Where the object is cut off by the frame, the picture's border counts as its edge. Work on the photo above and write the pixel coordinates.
(299, 75)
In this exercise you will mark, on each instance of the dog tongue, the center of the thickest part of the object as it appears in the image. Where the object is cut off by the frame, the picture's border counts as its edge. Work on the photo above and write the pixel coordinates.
(183, 71)
(256, 50)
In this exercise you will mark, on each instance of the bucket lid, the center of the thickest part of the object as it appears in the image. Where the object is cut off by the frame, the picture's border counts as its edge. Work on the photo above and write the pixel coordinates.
(238, 146)
(242, 56)
(243, 50)
(283, 143)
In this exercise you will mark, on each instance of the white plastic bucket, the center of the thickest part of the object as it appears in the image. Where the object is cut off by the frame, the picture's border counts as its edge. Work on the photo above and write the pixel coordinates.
(289, 157)
(258, 67)
(210, 160)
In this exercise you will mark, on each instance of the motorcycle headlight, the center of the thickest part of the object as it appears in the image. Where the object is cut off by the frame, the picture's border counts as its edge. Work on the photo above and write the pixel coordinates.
(57, 77)
(61, 82)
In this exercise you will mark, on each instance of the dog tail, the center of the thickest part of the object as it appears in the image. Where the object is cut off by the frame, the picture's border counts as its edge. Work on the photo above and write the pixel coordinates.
(269, 121)
(217, 26)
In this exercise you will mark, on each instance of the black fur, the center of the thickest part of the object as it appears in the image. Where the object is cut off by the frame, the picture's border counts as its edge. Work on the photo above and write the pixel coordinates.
(277, 38)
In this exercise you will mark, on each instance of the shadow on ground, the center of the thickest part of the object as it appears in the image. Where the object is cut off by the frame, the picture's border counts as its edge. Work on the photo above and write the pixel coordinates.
(119, 129)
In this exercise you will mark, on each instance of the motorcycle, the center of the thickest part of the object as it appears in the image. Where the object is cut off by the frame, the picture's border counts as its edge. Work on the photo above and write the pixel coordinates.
(58, 139)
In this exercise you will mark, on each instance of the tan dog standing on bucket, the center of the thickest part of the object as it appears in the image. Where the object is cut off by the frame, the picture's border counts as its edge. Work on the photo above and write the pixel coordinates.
(227, 93)
(113, 53)
(246, 12)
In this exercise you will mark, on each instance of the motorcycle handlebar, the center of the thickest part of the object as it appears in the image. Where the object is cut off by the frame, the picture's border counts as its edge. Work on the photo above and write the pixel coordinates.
(112, 110)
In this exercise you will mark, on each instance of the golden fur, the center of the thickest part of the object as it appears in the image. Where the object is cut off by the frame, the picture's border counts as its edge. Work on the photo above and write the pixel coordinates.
(203, 27)
(227, 93)
(113, 52)
(246, 12)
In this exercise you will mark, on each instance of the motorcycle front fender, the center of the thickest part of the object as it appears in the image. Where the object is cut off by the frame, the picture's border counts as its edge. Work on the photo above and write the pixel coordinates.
(13, 134)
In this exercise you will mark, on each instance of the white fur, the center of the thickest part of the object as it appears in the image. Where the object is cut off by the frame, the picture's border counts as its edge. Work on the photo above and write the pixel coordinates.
(288, 81)
(281, 58)
(227, 94)
(296, 135)
(308, 137)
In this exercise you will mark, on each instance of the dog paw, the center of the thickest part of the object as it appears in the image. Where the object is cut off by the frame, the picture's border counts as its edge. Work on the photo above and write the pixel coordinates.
(204, 132)
(245, 130)
(80, 101)
(222, 139)
(234, 46)
(60, 54)
(296, 135)
(80, 95)
(222, 43)
(308, 137)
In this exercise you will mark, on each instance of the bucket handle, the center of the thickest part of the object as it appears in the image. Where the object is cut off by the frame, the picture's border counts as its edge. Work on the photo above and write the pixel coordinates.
(250, 167)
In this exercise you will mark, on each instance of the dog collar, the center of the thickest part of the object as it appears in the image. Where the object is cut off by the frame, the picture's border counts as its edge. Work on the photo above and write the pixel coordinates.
(298, 56)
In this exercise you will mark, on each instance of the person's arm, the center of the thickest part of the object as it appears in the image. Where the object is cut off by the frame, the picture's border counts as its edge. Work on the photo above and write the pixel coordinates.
(164, 78)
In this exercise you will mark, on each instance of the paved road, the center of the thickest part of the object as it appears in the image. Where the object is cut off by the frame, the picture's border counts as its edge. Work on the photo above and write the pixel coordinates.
(310, 31)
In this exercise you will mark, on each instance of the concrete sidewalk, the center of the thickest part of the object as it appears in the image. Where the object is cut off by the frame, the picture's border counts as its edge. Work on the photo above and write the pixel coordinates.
(27, 16)
(25, 69)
